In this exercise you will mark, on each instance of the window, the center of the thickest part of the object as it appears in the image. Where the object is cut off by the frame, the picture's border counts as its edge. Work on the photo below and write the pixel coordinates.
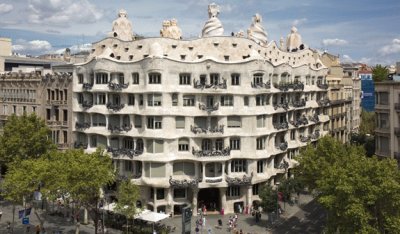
(261, 100)
(24, 109)
(292, 135)
(65, 115)
(155, 146)
(80, 78)
(48, 114)
(180, 193)
(255, 189)
(260, 166)
(154, 99)
(235, 144)
(183, 168)
(219, 144)
(101, 78)
(234, 122)
(183, 144)
(140, 99)
(227, 100)
(180, 122)
(160, 194)
(206, 144)
(233, 191)
(260, 143)
(174, 99)
(14, 109)
(238, 165)
(154, 122)
(235, 79)
(101, 99)
(184, 79)
(138, 121)
(258, 78)
(135, 78)
(154, 78)
(188, 100)
(246, 101)
(128, 165)
(261, 119)
(33, 109)
(131, 99)
(214, 78)
(203, 79)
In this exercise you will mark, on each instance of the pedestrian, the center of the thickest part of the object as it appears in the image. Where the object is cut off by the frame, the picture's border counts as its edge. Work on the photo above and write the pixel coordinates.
(28, 229)
(8, 227)
(37, 229)
(241, 231)
(1, 214)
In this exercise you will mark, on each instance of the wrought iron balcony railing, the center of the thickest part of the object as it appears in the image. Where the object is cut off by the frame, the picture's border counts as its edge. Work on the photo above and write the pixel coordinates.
(300, 121)
(300, 103)
(87, 86)
(313, 118)
(136, 176)
(282, 165)
(209, 108)
(211, 153)
(322, 86)
(266, 85)
(220, 85)
(282, 146)
(117, 86)
(213, 181)
(286, 86)
(115, 106)
(284, 105)
(304, 138)
(122, 151)
(118, 128)
(282, 125)
(87, 104)
(82, 145)
(199, 130)
(235, 181)
(175, 183)
(315, 135)
(82, 126)
(324, 102)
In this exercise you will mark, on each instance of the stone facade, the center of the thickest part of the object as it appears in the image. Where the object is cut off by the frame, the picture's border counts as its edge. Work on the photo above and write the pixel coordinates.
(204, 121)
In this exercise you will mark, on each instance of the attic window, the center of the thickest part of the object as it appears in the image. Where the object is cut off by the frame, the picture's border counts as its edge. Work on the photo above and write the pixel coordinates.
(183, 57)
(276, 60)
(259, 51)
(103, 46)
(93, 50)
(283, 57)
(273, 47)
(294, 63)
(234, 44)
(270, 52)
(165, 55)
(130, 57)
(112, 55)
(226, 57)
(190, 47)
(245, 56)
(126, 49)
(118, 57)
(250, 46)
(115, 45)
(174, 46)
(145, 55)
(216, 44)
(199, 56)
(139, 47)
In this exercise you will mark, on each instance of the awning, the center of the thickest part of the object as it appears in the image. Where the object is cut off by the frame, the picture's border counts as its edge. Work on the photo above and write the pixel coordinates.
(151, 216)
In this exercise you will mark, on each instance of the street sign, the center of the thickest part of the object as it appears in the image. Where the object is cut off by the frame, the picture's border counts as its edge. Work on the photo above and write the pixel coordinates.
(25, 220)
(186, 220)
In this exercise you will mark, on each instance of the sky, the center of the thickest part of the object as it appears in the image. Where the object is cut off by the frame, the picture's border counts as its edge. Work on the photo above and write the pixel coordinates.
(364, 31)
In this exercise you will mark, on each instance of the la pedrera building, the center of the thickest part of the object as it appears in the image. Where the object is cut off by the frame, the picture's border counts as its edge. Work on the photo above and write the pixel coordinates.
(200, 122)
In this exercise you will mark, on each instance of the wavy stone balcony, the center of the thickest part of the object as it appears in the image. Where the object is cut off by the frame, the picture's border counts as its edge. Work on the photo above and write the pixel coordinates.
(279, 126)
(209, 130)
(284, 106)
(297, 104)
(300, 121)
(282, 165)
(209, 109)
(81, 145)
(86, 104)
(322, 86)
(261, 85)
(87, 86)
(211, 153)
(220, 85)
(235, 181)
(313, 118)
(114, 106)
(119, 129)
(175, 183)
(305, 139)
(282, 146)
(121, 151)
(117, 86)
(82, 126)
(324, 102)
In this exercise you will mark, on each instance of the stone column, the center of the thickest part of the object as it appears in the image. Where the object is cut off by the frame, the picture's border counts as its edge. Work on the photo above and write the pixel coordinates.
(154, 199)
(249, 195)
(229, 167)
(223, 198)
(85, 216)
(170, 200)
(204, 171)
(195, 192)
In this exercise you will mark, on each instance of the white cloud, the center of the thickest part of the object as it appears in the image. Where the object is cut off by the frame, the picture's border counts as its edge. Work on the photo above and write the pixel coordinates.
(346, 59)
(63, 12)
(298, 22)
(5, 8)
(28, 47)
(334, 42)
(76, 48)
(392, 48)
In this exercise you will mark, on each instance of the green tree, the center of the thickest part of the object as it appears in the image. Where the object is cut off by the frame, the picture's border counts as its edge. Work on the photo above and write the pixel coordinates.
(127, 195)
(360, 194)
(367, 125)
(269, 198)
(380, 73)
(24, 137)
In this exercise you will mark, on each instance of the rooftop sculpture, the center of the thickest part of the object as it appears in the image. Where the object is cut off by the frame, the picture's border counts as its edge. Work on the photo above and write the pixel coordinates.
(293, 41)
(256, 32)
(122, 27)
(170, 29)
(213, 26)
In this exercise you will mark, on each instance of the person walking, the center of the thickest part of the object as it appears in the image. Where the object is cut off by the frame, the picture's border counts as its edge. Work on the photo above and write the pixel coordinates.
(37, 229)
(1, 214)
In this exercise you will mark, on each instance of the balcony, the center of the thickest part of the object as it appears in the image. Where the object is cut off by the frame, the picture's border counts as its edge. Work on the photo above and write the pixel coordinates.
(121, 151)
(114, 106)
(397, 131)
(137, 176)
(80, 145)
(235, 181)
(175, 183)
(282, 165)
(284, 105)
(117, 86)
(397, 107)
(261, 85)
(304, 139)
(315, 135)
(209, 109)
(300, 103)
(213, 180)
(119, 129)
(86, 104)
(82, 126)
(282, 146)
(218, 85)
(299, 121)
(87, 86)
(209, 130)
(211, 153)
(322, 86)
(286, 86)
(282, 125)
(324, 102)
(313, 118)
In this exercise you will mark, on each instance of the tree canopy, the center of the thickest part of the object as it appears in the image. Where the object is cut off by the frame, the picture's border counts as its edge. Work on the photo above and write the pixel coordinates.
(269, 198)
(367, 125)
(380, 73)
(361, 194)
(24, 137)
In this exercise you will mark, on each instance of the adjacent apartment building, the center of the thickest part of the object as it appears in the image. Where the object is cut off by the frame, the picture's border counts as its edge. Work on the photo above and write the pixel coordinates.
(203, 121)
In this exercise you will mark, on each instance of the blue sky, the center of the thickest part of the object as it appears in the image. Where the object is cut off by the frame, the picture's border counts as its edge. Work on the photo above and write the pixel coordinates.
(357, 30)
